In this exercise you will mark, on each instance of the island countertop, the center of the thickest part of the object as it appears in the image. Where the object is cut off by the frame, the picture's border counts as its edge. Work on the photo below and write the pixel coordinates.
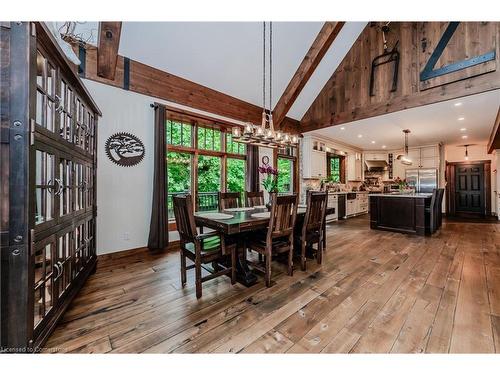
(416, 195)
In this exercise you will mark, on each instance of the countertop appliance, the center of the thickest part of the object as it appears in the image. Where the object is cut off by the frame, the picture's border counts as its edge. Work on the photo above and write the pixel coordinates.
(424, 180)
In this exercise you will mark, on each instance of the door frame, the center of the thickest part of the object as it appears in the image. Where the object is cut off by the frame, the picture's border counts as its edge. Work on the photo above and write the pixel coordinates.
(450, 186)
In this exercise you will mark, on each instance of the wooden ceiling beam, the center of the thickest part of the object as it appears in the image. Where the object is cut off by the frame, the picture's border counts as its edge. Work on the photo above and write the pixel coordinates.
(494, 143)
(313, 57)
(107, 49)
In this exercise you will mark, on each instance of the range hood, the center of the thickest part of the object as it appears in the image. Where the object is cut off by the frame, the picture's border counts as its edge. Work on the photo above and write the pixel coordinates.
(376, 165)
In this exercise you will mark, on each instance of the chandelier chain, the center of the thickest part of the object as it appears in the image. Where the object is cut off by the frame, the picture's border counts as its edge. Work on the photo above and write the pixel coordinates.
(264, 67)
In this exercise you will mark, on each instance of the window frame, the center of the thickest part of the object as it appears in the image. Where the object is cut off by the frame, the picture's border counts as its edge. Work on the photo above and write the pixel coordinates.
(196, 122)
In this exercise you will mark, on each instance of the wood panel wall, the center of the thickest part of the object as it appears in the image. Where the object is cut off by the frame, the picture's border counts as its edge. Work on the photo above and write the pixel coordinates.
(346, 97)
(157, 83)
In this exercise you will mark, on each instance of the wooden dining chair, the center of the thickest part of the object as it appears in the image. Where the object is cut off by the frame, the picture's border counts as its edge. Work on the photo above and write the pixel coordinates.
(254, 198)
(313, 228)
(229, 200)
(433, 211)
(440, 207)
(278, 238)
(201, 249)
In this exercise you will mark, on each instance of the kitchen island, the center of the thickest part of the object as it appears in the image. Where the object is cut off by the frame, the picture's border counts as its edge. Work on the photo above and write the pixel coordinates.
(404, 213)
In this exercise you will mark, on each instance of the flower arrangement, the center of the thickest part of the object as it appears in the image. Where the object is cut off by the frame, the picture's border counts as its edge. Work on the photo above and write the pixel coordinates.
(270, 181)
(402, 183)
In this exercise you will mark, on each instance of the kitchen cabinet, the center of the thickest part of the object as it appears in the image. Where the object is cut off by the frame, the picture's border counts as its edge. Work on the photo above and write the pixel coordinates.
(313, 161)
(422, 157)
(376, 156)
(354, 167)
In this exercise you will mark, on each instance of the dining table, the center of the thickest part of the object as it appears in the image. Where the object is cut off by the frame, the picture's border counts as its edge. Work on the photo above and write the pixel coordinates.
(237, 223)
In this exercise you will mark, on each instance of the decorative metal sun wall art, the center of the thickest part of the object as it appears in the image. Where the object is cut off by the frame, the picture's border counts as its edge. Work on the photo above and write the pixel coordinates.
(124, 149)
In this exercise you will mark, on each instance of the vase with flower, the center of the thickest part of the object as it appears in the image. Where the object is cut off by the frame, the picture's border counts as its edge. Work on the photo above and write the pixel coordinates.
(269, 181)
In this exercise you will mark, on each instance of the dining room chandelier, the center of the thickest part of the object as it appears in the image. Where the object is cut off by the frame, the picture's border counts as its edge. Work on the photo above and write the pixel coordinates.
(264, 133)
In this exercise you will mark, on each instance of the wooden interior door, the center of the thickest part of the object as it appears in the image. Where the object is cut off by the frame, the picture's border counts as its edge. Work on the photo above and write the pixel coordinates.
(469, 189)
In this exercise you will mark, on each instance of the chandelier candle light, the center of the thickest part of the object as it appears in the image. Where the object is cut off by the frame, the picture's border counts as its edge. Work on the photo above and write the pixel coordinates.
(264, 134)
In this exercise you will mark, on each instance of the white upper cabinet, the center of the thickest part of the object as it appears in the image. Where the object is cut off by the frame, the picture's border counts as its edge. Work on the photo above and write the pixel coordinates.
(313, 161)
(354, 167)
(422, 157)
(376, 156)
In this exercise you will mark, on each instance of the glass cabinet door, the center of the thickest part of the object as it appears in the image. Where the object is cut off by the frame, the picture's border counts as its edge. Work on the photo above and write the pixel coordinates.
(46, 272)
(64, 261)
(46, 188)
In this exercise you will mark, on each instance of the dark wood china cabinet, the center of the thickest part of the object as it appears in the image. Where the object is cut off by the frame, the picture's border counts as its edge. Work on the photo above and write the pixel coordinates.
(48, 162)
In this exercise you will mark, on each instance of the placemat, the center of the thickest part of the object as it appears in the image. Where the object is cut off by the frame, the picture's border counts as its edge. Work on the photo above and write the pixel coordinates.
(239, 209)
(214, 215)
(259, 207)
(261, 215)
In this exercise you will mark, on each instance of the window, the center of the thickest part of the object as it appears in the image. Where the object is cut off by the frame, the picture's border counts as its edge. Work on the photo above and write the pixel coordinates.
(285, 175)
(209, 139)
(178, 133)
(179, 177)
(234, 147)
(335, 168)
(212, 164)
(235, 180)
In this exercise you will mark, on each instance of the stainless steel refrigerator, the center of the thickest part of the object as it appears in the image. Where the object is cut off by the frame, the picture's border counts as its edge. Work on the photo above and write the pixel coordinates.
(424, 180)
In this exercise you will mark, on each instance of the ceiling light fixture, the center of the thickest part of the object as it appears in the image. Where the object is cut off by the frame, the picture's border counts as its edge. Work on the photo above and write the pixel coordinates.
(373, 142)
(342, 128)
(466, 152)
(458, 104)
(360, 135)
(384, 146)
(465, 136)
(461, 119)
(463, 129)
(405, 159)
(264, 134)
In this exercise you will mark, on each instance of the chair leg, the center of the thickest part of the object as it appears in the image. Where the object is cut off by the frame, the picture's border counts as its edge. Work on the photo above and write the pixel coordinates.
(183, 269)
(197, 269)
(234, 254)
(319, 255)
(260, 258)
(290, 261)
(268, 268)
(303, 256)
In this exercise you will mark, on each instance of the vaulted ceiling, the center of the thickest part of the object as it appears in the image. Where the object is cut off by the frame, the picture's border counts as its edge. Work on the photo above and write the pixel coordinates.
(227, 56)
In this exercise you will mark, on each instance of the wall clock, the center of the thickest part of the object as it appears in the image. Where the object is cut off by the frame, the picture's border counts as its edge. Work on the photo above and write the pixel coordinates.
(124, 149)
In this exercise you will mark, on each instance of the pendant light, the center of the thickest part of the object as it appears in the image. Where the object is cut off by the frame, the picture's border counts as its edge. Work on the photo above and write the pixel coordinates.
(264, 134)
(466, 157)
(405, 159)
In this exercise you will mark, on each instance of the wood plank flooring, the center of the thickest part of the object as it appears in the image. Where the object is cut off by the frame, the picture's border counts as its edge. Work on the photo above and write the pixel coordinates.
(375, 292)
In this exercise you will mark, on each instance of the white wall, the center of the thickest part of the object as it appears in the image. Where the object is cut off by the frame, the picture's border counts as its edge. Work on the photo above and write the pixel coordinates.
(124, 194)
(476, 153)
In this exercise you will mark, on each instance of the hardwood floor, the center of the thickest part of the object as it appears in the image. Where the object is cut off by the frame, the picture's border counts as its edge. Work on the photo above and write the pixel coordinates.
(375, 292)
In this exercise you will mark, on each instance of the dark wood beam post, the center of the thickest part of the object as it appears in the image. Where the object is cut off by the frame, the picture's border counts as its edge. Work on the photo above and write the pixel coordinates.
(107, 51)
(318, 49)
(494, 142)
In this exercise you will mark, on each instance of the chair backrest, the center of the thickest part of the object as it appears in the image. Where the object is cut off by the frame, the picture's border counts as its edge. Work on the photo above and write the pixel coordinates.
(184, 217)
(440, 206)
(229, 200)
(433, 210)
(254, 198)
(283, 215)
(315, 211)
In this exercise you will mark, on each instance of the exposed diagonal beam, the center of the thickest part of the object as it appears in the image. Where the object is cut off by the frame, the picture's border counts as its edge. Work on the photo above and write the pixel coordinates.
(494, 142)
(107, 49)
(318, 49)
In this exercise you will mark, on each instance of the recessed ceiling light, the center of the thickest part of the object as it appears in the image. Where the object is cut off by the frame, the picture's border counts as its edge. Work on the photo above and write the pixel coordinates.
(458, 104)
(384, 146)
(465, 136)
(342, 128)
(463, 129)
(373, 141)
(461, 119)
(360, 135)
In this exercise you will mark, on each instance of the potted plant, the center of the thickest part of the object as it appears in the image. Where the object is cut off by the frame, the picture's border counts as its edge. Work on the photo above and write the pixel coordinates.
(404, 187)
(269, 181)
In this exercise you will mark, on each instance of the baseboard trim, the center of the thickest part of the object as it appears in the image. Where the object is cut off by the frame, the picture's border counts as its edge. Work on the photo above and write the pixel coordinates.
(172, 246)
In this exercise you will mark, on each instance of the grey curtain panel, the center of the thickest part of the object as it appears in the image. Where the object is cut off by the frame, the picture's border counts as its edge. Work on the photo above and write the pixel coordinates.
(158, 227)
